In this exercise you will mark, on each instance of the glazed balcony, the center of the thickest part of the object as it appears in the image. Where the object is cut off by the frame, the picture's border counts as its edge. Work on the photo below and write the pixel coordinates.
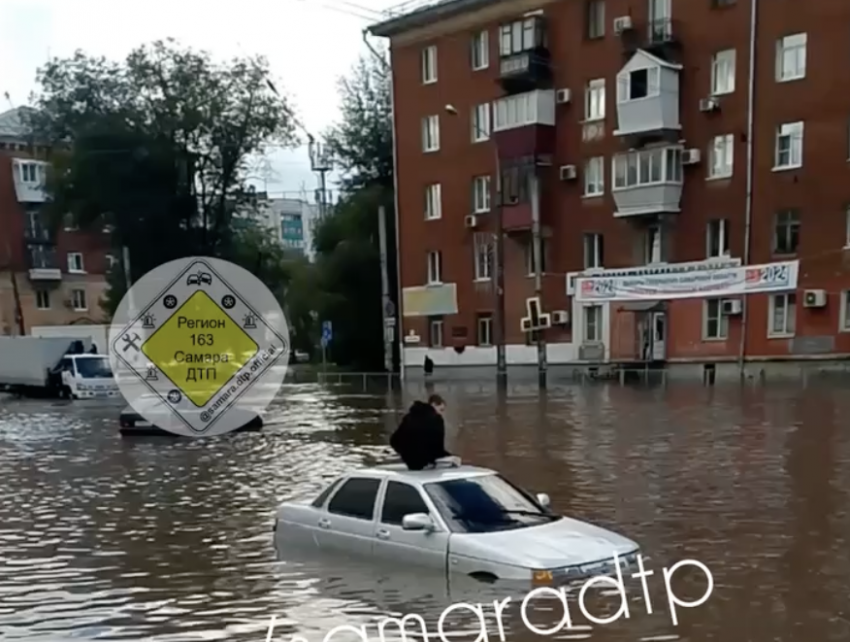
(29, 178)
(648, 99)
(647, 182)
(523, 124)
(524, 59)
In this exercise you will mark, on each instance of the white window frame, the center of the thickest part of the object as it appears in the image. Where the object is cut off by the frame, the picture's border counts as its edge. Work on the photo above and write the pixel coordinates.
(483, 258)
(789, 325)
(718, 227)
(712, 311)
(433, 202)
(480, 55)
(76, 264)
(595, 19)
(529, 257)
(631, 170)
(723, 72)
(436, 327)
(429, 65)
(484, 329)
(431, 134)
(721, 156)
(594, 100)
(785, 221)
(79, 300)
(594, 176)
(480, 123)
(42, 299)
(791, 57)
(844, 316)
(481, 194)
(593, 248)
(653, 245)
(653, 84)
(435, 268)
(592, 319)
(789, 146)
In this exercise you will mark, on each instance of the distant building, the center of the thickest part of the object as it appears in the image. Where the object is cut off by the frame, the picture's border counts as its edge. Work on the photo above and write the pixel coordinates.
(290, 220)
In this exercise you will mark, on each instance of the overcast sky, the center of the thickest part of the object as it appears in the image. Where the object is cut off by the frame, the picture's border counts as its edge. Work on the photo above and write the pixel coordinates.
(309, 45)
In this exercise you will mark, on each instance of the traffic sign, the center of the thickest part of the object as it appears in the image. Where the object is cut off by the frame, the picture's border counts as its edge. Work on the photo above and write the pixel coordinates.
(327, 332)
(199, 346)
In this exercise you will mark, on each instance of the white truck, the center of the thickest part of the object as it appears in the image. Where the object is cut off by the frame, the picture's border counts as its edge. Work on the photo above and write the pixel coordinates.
(55, 367)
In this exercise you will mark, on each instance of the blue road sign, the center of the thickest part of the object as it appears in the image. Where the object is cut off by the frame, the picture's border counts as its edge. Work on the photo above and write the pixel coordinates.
(327, 332)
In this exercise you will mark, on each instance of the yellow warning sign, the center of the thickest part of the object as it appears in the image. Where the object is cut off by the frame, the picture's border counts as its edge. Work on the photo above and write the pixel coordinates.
(199, 348)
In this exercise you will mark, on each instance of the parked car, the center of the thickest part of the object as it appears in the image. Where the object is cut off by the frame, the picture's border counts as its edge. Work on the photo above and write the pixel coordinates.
(464, 519)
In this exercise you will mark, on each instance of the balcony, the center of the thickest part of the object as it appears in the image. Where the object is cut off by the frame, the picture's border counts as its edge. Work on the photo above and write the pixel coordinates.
(35, 231)
(648, 99)
(524, 59)
(522, 124)
(647, 182)
(42, 263)
(658, 37)
(29, 178)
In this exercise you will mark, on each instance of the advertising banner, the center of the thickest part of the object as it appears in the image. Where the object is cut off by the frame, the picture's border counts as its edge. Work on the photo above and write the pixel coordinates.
(707, 283)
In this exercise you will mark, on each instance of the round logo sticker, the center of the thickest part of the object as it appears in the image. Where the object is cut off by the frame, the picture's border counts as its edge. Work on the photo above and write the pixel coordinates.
(199, 347)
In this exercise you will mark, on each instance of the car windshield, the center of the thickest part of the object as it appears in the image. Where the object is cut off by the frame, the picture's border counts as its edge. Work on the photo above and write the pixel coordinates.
(485, 504)
(94, 368)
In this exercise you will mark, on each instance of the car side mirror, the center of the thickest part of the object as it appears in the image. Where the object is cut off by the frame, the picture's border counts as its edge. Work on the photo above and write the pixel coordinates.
(543, 500)
(417, 522)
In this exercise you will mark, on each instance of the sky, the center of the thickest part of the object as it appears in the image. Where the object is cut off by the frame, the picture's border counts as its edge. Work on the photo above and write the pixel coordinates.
(310, 44)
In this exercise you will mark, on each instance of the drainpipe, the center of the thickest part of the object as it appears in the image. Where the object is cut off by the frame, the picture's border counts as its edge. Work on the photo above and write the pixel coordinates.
(537, 254)
(399, 307)
(748, 211)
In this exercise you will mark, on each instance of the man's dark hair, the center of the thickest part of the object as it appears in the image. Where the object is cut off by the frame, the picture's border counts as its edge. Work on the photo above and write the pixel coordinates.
(436, 400)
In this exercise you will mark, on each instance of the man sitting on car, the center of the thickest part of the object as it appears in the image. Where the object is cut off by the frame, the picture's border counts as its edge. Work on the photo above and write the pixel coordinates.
(420, 437)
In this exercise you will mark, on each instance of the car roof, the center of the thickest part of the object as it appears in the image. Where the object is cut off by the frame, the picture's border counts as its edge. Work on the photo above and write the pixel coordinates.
(401, 472)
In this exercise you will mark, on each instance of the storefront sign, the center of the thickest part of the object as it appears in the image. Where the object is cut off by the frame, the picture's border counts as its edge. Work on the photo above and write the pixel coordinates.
(708, 282)
(688, 267)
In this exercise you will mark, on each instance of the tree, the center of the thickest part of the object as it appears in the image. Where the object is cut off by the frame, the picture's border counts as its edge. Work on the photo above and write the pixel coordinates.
(157, 148)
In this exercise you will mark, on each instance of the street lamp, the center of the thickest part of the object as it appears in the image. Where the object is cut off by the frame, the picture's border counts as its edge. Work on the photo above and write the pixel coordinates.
(499, 258)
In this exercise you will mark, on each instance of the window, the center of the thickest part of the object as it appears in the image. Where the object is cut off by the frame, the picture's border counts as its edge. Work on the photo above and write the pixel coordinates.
(783, 313)
(594, 176)
(78, 300)
(42, 299)
(520, 110)
(723, 72)
(789, 145)
(593, 323)
(480, 50)
(483, 258)
(844, 322)
(356, 498)
(435, 332)
(647, 167)
(847, 226)
(75, 262)
(717, 238)
(400, 500)
(111, 261)
(433, 202)
(481, 123)
(429, 65)
(515, 182)
(485, 329)
(653, 251)
(715, 324)
(481, 194)
(791, 57)
(430, 133)
(594, 100)
(520, 36)
(638, 84)
(721, 156)
(786, 234)
(435, 267)
(595, 12)
(323, 496)
(593, 251)
(29, 171)
(529, 256)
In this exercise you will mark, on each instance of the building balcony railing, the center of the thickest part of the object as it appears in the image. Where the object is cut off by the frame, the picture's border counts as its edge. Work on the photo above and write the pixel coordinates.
(521, 110)
(37, 234)
(647, 181)
(659, 37)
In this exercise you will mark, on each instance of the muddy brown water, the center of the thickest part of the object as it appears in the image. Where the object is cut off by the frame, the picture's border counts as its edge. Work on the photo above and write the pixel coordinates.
(150, 539)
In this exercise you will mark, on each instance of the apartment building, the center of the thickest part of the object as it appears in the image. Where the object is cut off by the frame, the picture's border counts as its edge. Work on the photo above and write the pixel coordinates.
(289, 220)
(47, 277)
(649, 143)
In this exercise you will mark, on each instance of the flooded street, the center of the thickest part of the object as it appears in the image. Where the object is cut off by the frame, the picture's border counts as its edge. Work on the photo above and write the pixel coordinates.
(171, 540)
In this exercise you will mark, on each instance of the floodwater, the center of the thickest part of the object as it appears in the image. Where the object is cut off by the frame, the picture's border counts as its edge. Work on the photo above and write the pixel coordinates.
(170, 540)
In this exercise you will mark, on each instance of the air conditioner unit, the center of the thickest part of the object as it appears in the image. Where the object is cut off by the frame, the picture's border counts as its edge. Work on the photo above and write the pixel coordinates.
(622, 24)
(562, 96)
(709, 104)
(568, 172)
(690, 157)
(471, 220)
(814, 298)
(731, 307)
(560, 317)
(525, 324)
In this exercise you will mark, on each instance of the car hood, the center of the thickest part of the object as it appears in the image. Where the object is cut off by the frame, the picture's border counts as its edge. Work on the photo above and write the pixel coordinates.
(565, 542)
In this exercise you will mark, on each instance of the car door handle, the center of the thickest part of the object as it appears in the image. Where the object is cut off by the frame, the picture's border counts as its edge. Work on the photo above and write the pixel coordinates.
(324, 523)
(383, 534)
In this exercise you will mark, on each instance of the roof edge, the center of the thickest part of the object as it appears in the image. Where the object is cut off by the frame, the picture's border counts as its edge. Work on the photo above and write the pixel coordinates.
(428, 15)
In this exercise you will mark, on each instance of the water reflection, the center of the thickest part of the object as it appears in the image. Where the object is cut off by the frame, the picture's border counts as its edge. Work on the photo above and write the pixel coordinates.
(170, 540)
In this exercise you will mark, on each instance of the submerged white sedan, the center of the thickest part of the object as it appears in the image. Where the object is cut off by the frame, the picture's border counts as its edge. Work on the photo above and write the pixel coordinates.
(461, 519)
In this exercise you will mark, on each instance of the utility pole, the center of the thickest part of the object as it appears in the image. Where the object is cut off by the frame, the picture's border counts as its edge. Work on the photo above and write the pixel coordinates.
(16, 294)
(537, 251)
(388, 309)
(128, 279)
(321, 163)
(499, 259)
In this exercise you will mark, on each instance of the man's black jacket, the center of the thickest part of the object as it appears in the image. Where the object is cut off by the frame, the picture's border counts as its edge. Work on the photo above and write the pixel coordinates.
(420, 438)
